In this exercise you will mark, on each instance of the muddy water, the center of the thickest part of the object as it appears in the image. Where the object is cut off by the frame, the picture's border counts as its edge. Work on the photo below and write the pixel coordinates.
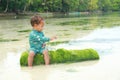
(105, 40)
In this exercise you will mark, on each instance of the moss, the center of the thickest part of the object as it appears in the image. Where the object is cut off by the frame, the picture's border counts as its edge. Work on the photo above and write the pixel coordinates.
(14, 40)
(63, 30)
(7, 40)
(56, 43)
(77, 28)
(23, 59)
(75, 23)
(66, 34)
(61, 56)
(24, 31)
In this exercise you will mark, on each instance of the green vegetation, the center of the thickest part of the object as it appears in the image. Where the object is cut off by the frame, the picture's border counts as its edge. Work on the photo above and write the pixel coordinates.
(63, 30)
(82, 28)
(67, 34)
(87, 23)
(76, 23)
(24, 31)
(77, 28)
(63, 6)
(8, 40)
(56, 43)
(61, 56)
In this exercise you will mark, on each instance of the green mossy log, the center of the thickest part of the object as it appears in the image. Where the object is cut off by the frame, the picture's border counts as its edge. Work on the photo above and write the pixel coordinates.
(61, 56)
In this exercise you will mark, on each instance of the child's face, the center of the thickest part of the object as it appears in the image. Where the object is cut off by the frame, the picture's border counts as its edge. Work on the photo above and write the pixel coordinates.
(40, 26)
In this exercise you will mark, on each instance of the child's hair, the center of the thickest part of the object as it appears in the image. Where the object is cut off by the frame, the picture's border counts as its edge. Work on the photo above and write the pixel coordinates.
(36, 20)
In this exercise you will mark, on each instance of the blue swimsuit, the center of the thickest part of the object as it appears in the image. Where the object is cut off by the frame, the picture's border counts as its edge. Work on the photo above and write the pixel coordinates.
(36, 41)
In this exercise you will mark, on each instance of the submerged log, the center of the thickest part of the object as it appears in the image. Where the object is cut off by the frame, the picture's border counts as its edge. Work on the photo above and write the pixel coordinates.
(61, 56)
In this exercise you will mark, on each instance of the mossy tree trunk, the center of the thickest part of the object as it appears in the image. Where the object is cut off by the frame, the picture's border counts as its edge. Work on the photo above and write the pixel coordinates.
(61, 56)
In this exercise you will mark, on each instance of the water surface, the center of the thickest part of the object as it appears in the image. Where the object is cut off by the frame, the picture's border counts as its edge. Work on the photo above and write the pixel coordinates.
(98, 32)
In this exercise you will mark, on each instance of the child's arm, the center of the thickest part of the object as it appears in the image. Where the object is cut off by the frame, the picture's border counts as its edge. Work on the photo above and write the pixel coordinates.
(46, 39)
(52, 38)
(41, 38)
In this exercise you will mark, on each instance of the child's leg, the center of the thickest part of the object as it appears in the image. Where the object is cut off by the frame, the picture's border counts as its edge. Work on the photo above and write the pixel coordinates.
(30, 58)
(46, 57)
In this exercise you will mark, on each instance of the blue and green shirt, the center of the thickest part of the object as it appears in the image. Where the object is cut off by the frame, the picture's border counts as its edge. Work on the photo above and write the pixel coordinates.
(36, 41)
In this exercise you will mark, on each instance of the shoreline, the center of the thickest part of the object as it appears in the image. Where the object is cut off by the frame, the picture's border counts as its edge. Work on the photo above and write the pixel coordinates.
(56, 14)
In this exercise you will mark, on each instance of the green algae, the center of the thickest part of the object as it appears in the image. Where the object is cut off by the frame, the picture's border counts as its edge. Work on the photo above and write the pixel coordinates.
(61, 56)
(24, 31)
(8, 40)
(75, 23)
(57, 42)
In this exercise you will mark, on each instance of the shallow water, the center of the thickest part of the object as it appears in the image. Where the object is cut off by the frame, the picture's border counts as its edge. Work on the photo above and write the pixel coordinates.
(105, 68)
(105, 40)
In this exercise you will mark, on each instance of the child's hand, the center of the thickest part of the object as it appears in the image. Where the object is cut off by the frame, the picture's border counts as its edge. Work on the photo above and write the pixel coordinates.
(53, 38)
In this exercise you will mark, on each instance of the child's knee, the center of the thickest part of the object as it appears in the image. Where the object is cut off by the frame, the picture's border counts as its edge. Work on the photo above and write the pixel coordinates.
(31, 54)
(45, 52)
